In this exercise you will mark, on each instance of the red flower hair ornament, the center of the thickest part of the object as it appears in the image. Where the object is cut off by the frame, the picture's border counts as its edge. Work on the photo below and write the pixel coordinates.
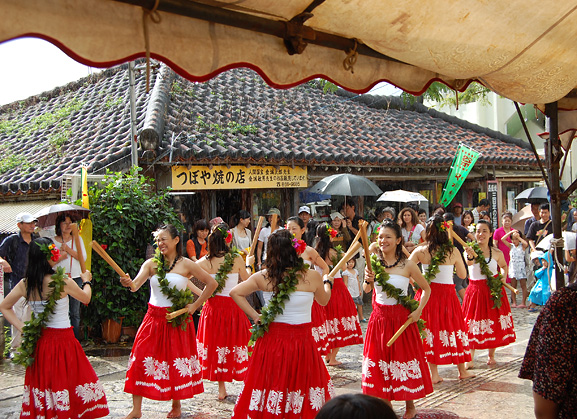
(299, 245)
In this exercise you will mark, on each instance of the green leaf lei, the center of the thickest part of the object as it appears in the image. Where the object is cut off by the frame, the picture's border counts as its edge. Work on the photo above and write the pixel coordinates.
(33, 328)
(493, 280)
(225, 269)
(382, 278)
(436, 260)
(276, 305)
(178, 298)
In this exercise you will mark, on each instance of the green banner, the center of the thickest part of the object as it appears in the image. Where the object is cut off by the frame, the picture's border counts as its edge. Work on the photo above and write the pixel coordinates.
(462, 164)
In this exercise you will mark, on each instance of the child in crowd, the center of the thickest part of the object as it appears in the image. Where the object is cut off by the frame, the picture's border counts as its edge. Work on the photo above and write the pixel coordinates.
(351, 279)
(517, 268)
(541, 291)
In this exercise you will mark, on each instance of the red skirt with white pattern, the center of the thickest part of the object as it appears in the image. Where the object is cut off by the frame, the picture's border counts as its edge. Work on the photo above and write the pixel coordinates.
(163, 364)
(343, 327)
(399, 372)
(286, 377)
(61, 383)
(447, 341)
(319, 328)
(223, 335)
(487, 327)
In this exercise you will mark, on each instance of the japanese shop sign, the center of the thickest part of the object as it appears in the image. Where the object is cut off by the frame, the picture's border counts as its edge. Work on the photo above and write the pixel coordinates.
(462, 164)
(237, 177)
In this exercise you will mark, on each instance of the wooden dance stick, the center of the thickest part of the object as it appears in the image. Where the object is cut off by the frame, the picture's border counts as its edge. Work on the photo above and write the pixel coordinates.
(355, 246)
(406, 252)
(273, 222)
(455, 236)
(398, 333)
(510, 287)
(256, 234)
(363, 230)
(78, 248)
(176, 313)
(98, 249)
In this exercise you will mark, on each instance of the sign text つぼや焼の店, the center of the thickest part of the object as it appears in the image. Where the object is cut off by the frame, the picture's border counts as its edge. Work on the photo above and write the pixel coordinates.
(237, 177)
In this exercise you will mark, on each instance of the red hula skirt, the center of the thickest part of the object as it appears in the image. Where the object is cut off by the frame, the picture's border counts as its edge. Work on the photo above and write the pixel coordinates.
(319, 328)
(163, 364)
(343, 327)
(447, 341)
(286, 376)
(488, 327)
(223, 335)
(61, 383)
(399, 372)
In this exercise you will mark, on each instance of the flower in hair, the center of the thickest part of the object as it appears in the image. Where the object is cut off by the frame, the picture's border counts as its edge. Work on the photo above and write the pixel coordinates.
(443, 226)
(50, 251)
(331, 232)
(299, 245)
(228, 237)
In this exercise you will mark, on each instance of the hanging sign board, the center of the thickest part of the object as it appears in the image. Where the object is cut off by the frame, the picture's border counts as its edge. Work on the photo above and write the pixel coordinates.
(186, 178)
(492, 197)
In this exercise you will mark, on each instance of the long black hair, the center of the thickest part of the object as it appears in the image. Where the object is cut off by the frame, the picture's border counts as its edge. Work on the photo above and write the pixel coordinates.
(398, 233)
(217, 246)
(37, 268)
(241, 215)
(436, 234)
(324, 243)
(280, 256)
(356, 406)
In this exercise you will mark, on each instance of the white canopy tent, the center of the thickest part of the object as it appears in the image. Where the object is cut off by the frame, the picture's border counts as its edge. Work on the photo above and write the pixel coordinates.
(521, 49)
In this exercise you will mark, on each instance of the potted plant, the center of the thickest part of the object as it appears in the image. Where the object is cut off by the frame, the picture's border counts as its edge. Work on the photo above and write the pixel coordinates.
(125, 210)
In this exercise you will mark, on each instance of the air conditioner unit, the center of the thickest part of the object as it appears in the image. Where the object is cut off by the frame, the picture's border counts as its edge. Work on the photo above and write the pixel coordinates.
(72, 183)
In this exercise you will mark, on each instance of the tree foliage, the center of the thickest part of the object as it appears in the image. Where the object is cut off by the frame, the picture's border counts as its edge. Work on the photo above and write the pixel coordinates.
(443, 95)
(125, 211)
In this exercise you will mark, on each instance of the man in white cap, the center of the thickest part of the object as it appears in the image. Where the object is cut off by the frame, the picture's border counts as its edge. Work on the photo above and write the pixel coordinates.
(14, 259)
(305, 214)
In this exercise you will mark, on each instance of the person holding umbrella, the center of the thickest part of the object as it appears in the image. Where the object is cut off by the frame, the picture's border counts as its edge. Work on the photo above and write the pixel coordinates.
(69, 260)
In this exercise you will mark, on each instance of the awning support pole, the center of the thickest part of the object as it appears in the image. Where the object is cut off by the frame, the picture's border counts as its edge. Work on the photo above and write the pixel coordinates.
(553, 157)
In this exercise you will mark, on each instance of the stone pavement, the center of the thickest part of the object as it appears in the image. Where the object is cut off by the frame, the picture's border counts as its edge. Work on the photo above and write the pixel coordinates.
(495, 392)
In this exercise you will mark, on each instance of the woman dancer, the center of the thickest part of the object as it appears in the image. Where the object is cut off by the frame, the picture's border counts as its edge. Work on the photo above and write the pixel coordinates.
(223, 330)
(343, 326)
(59, 381)
(413, 231)
(486, 307)
(295, 382)
(163, 364)
(296, 226)
(382, 365)
(446, 340)
(69, 255)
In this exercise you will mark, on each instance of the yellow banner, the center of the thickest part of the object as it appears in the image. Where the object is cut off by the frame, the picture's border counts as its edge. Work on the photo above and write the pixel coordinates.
(237, 177)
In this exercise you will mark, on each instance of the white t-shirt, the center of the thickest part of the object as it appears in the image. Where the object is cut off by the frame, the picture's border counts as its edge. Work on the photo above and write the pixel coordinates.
(415, 236)
(352, 282)
(263, 237)
(73, 270)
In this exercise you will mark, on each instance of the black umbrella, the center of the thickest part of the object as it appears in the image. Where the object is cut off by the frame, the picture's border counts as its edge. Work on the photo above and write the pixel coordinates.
(47, 216)
(535, 195)
(347, 185)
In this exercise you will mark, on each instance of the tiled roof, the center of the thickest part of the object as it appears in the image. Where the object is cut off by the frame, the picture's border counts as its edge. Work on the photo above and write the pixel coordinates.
(233, 118)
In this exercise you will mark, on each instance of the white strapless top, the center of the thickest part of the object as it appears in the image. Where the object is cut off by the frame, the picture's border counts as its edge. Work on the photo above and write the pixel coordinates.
(297, 308)
(475, 270)
(398, 281)
(445, 275)
(157, 298)
(60, 318)
(230, 283)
